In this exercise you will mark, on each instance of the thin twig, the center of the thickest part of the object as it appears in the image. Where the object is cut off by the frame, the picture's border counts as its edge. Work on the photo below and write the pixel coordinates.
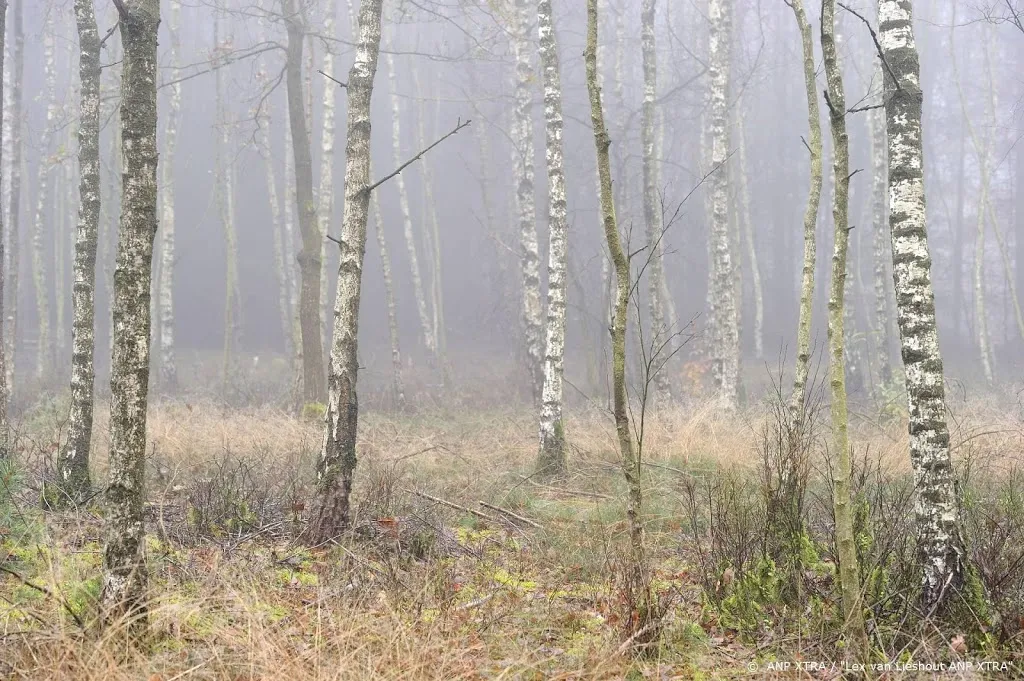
(43, 590)
(459, 125)
(878, 45)
(110, 33)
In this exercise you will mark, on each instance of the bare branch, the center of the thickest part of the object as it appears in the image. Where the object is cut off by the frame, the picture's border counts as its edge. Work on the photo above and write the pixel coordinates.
(878, 45)
(329, 77)
(109, 33)
(459, 125)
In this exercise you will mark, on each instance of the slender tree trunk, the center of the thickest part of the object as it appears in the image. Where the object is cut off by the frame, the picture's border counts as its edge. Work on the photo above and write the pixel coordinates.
(73, 461)
(880, 232)
(291, 268)
(168, 363)
(314, 388)
(653, 219)
(336, 467)
(403, 203)
(17, 163)
(725, 341)
(5, 451)
(522, 141)
(397, 384)
(940, 544)
(803, 335)
(552, 455)
(849, 572)
(124, 574)
(43, 199)
(225, 199)
(630, 462)
(747, 234)
(325, 195)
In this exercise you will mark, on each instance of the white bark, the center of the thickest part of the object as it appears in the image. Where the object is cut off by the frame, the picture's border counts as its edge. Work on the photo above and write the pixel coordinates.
(325, 195)
(522, 142)
(336, 466)
(552, 456)
(880, 240)
(168, 362)
(725, 338)
(397, 384)
(4, 126)
(403, 203)
(937, 511)
(124, 575)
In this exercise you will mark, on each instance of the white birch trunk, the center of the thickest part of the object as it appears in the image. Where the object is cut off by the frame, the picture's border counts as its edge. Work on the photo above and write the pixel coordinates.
(168, 363)
(725, 339)
(397, 384)
(124, 574)
(403, 202)
(4, 126)
(325, 195)
(552, 455)
(522, 142)
(336, 466)
(939, 542)
(880, 240)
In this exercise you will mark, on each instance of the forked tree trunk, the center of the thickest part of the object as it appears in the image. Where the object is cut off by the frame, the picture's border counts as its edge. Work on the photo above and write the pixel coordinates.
(40, 277)
(168, 363)
(620, 406)
(73, 461)
(529, 258)
(725, 338)
(314, 388)
(552, 454)
(403, 203)
(940, 544)
(337, 463)
(803, 334)
(846, 547)
(124, 568)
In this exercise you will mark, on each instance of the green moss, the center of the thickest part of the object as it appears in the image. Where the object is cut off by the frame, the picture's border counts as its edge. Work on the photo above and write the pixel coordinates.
(314, 411)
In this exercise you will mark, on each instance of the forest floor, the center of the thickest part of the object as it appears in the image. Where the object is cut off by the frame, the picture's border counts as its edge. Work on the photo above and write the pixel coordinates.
(423, 589)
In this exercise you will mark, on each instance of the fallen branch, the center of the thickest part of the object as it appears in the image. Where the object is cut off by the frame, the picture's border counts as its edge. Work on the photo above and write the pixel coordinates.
(512, 515)
(474, 604)
(46, 592)
(449, 504)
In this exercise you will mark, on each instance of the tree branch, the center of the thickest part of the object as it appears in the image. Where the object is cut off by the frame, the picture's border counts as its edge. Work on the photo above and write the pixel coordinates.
(878, 45)
(121, 9)
(328, 77)
(109, 33)
(459, 125)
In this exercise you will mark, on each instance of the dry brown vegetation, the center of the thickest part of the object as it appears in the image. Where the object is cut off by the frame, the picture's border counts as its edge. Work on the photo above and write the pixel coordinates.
(424, 590)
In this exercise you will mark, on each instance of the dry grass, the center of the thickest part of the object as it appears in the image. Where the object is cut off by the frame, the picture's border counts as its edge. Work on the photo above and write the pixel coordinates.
(497, 601)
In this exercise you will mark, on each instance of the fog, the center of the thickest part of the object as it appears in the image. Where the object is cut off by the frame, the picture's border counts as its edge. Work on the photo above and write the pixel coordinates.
(453, 61)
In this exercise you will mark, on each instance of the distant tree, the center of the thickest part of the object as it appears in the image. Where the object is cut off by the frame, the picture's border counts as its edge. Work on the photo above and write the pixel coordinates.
(167, 361)
(124, 568)
(940, 544)
(4, 392)
(552, 456)
(17, 162)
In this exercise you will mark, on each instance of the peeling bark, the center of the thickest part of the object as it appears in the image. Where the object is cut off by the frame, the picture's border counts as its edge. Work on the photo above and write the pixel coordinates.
(337, 463)
(529, 259)
(124, 569)
(725, 337)
(552, 455)
(73, 460)
(940, 544)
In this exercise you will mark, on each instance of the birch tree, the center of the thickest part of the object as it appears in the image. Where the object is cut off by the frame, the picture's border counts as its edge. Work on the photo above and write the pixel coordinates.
(936, 509)
(73, 460)
(880, 241)
(552, 456)
(725, 333)
(4, 392)
(522, 142)
(124, 569)
(17, 162)
(803, 334)
(314, 388)
(337, 462)
(168, 364)
(652, 207)
(325, 193)
(43, 199)
(849, 573)
(397, 384)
